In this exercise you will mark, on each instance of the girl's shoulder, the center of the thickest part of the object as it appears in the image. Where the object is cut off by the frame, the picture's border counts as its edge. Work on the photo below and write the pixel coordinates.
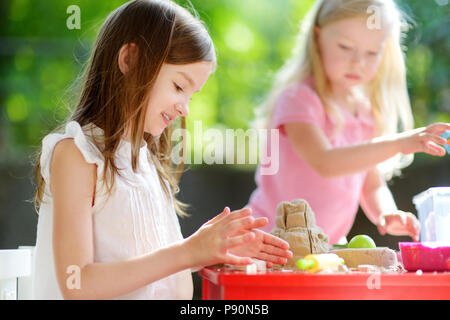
(69, 168)
(298, 102)
(302, 91)
(76, 137)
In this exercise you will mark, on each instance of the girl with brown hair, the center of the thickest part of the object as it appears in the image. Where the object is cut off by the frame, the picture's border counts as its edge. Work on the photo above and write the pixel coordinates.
(106, 187)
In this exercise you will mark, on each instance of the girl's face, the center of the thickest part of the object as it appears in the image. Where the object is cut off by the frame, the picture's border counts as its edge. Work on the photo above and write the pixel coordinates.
(350, 51)
(172, 92)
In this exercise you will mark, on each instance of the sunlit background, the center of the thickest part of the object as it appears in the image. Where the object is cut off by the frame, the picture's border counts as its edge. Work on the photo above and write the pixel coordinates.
(40, 58)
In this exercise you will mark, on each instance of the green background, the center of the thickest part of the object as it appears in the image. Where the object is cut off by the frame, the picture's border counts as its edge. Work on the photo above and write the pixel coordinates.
(41, 58)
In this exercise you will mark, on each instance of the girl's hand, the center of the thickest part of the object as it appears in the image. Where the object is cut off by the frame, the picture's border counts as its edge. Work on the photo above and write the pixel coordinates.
(265, 247)
(398, 224)
(424, 140)
(211, 243)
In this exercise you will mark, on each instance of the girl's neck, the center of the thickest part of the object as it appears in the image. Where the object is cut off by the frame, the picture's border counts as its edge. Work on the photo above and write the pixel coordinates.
(339, 92)
(352, 99)
(346, 94)
(127, 137)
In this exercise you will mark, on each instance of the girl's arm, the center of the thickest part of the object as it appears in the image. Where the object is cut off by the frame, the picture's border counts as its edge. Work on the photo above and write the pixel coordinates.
(376, 198)
(72, 186)
(313, 146)
(379, 206)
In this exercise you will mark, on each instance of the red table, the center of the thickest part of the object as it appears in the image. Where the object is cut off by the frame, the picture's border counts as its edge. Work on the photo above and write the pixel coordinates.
(218, 283)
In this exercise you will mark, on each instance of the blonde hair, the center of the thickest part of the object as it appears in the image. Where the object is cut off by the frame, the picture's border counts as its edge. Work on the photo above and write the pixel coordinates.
(388, 89)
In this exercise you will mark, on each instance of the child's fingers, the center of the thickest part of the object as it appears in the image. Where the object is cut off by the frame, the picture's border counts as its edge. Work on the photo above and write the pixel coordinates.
(232, 242)
(382, 226)
(438, 128)
(259, 222)
(221, 215)
(237, 214)
(273, 240)
(271, 258)
(403, 217)
(435, 138)
(243, 224)
(275, 251)
(232, 259)
(412, 232)
(236, 226)
(226, 216)
(434, 150)
(413, 227)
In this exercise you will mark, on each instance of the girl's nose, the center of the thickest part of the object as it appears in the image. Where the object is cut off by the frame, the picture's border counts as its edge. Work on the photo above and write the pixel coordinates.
(358, 60)
(182, 109)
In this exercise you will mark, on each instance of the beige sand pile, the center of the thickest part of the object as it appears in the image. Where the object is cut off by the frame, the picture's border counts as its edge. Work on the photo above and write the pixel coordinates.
(296, 224)
(381, 257)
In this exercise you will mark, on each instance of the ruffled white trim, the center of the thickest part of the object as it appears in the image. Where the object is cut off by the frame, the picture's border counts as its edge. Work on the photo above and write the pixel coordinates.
(87, 148)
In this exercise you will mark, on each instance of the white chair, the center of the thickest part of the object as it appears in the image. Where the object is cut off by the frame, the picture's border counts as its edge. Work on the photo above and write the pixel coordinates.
(15, 273)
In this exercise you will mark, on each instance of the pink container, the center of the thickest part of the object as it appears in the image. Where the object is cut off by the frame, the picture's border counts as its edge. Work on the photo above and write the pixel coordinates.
(426, 256)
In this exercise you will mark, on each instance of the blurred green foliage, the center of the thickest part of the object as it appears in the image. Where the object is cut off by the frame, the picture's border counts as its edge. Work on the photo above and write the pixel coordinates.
(40, 58)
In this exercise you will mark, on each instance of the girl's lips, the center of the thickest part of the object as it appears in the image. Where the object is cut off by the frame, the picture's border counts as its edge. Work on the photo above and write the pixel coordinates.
(165, 119)
(352, 76)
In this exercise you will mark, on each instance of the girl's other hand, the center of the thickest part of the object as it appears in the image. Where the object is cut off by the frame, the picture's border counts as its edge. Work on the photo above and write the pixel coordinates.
(426, 140)
(211, 243)
(399, 224)
(266, 247)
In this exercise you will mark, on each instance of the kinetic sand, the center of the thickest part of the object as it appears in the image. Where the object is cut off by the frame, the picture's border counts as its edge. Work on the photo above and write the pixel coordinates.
(296, 224)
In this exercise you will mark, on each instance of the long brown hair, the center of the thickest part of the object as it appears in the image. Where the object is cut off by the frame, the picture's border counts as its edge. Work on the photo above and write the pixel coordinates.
(164, 32)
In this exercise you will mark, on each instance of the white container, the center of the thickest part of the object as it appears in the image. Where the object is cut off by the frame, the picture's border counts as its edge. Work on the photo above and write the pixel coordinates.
(433, 207)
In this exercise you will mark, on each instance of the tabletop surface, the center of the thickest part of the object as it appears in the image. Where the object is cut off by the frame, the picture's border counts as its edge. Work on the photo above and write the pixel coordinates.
(220, 282)
(224, 275)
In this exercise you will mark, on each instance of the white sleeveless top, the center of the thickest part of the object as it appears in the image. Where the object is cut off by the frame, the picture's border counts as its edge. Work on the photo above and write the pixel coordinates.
(135, 219)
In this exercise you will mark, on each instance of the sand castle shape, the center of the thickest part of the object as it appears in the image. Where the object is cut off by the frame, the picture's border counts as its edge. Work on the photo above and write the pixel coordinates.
(296, 224)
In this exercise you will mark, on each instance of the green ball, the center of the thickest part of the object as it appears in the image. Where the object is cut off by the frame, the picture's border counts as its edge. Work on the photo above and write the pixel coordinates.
(362, 241)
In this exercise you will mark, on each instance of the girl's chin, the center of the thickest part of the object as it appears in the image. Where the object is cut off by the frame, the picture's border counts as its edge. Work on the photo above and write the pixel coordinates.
(347, 84)
(156, 129)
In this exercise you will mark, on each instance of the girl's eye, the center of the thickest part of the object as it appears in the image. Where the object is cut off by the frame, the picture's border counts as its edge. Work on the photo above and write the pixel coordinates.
(344, 47)
(177, 87)
(373, 53)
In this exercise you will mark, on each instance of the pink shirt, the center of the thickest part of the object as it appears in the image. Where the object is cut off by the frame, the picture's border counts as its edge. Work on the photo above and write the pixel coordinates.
(334, 200)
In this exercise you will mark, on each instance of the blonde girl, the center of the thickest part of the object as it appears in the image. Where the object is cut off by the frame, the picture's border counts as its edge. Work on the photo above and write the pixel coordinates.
(106, 187)
(342, 109)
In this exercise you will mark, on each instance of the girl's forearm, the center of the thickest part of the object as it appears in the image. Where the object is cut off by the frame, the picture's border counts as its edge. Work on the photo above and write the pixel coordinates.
(109, 280)
(343, 161)
(376, 198)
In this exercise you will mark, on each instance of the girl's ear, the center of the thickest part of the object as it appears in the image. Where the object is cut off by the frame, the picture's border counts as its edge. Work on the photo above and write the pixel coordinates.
(127, 54)
(316, 31)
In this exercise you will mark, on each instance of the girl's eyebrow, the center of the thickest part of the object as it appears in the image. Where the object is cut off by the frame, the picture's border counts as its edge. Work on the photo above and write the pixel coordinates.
(184, 74)
(343, 37)
(351, 41)
(189, 79)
